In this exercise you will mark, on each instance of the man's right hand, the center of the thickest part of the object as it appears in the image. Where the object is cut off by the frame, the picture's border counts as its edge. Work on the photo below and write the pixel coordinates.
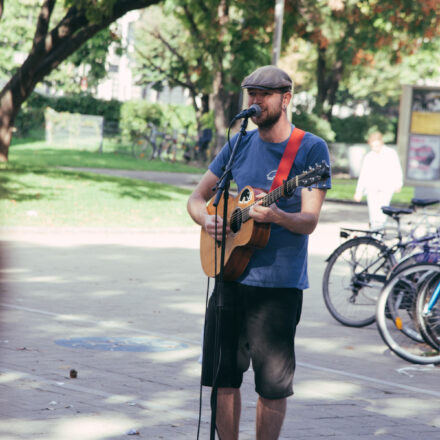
(212, 223)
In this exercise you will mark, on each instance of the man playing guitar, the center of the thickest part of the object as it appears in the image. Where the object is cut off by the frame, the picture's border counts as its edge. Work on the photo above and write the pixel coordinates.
(262, 307)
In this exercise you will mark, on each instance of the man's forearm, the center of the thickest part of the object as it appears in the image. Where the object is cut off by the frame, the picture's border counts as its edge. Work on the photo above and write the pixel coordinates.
(196, 207)
(297, 222)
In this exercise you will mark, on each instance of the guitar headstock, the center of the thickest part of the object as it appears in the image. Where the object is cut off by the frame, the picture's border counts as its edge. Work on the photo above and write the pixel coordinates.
(320, 171)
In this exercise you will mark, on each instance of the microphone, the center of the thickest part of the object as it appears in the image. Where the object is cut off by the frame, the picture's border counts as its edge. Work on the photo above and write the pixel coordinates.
(253, 110)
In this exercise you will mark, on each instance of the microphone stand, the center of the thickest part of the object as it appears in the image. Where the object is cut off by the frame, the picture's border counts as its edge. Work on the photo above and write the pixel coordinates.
(222, 186)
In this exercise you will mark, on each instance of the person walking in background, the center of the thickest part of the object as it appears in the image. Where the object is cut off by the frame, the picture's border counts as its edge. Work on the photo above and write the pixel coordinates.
(380, 177)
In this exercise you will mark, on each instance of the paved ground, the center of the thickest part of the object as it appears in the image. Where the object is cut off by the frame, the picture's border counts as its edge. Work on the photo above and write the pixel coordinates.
(125, 310)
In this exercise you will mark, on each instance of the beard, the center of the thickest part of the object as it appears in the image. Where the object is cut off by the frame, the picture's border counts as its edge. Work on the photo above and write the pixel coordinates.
(270, 119)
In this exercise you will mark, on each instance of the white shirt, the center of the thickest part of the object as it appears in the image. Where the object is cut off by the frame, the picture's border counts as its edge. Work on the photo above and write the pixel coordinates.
(380, 172)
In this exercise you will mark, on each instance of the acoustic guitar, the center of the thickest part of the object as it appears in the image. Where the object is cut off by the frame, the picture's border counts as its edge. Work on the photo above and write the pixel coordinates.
(247, 234)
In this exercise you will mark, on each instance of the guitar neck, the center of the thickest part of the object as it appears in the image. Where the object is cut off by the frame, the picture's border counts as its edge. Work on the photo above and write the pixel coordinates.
(273, 195)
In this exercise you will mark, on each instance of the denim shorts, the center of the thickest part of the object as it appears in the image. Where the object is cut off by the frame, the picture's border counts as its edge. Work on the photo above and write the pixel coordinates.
(257, 324)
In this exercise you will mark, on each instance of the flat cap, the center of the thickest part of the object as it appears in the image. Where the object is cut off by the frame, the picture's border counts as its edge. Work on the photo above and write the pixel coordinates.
(267, 78)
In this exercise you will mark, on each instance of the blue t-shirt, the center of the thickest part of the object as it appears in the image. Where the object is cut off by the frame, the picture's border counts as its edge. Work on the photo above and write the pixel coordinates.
(283, 262)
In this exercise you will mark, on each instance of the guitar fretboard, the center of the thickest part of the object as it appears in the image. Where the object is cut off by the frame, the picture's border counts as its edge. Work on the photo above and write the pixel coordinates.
(277, 193)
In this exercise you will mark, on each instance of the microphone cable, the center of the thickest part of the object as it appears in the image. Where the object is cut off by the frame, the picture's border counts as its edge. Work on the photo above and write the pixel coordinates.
(229, 136)
(218, 316)
(204, 330)
(201, 386)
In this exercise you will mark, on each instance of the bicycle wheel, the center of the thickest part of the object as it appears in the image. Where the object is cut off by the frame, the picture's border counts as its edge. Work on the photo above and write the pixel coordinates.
(401, 302)
(353, 280)
(396, 312)
(141, 149)
(429, 256)
(428, 320)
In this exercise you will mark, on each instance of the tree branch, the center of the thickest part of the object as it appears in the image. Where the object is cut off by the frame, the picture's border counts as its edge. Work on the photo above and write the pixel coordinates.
(147, 60)
(43, 20)
(69, 34)
(190, 86)
(195, 30)
(159, 36)
(202, 6)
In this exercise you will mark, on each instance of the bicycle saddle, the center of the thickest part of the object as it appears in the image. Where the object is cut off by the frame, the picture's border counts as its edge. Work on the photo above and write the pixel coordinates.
(424, 202)
(394, 212)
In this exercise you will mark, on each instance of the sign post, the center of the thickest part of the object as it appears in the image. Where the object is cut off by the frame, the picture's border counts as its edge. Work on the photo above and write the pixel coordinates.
(419, 139)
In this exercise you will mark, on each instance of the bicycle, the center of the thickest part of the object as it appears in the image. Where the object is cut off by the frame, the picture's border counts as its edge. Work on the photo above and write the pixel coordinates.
(398, 310)
(190, 147)
(357, 270)
(150, 145)
(428, 311)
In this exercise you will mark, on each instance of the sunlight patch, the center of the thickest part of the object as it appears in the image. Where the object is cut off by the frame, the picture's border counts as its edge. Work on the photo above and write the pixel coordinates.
(133, 344)
(319, 389)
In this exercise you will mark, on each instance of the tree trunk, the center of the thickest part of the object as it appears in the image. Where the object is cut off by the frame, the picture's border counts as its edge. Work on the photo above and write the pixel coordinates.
(322, 83)
(335, 80)
(9, 108)
(220, 122)
(48, 51)
(328, 81)
(205, 103)
(218, 95)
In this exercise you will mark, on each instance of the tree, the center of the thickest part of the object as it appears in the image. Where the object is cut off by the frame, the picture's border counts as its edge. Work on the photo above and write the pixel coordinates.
(162, 54)
(378, 83)
(16, 32)
(87, 63)
(351, 33)
(223, 41)
(16, 35)
(49, 47)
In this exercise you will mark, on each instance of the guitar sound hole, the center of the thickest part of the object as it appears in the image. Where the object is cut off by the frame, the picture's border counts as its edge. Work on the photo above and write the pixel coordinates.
(236, 220)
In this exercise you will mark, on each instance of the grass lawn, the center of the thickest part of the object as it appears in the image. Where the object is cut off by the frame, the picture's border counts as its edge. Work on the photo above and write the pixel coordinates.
(35, 192)
(344, 189)
(59, 198)
(40, 155)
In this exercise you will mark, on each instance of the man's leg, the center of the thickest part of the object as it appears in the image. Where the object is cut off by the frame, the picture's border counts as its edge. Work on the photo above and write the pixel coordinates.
(270, 417)
(228, 413)
(376, 216)
(376, 200)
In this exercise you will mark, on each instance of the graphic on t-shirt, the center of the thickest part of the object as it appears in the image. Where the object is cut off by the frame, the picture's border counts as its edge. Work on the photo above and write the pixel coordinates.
(271, 175)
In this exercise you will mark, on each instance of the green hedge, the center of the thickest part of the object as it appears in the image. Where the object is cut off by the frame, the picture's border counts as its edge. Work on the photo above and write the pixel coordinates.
(87, 105)
(130, 116)
(351, 130)
(31, 115)
(136, 115)
(314, 124)
(355, 129)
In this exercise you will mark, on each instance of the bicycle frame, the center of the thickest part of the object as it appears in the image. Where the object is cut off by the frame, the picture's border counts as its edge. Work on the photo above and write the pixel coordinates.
(374, 276)
(434, 298)
(362, 278)
(359, 268)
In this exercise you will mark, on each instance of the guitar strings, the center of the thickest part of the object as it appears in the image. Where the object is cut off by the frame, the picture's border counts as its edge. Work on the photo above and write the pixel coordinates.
(275, 194)
(244, 213)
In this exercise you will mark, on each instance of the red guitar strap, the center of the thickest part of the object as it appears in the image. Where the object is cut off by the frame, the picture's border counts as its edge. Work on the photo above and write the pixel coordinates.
(288, 158)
